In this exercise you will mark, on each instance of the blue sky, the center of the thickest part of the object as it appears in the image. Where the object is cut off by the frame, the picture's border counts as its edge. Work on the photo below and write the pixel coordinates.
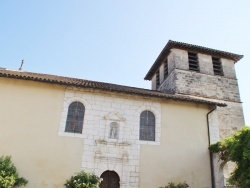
(117, 41)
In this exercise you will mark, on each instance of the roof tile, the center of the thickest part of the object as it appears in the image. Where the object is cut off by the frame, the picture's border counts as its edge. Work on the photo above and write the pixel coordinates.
(189, 47)
(68, 81)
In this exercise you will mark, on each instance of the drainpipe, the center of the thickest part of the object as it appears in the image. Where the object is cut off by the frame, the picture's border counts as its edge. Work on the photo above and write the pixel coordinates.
(210, 153)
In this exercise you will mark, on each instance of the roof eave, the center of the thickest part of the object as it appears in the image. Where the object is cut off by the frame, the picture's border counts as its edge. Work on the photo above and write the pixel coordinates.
(109, 89)
(189, 47)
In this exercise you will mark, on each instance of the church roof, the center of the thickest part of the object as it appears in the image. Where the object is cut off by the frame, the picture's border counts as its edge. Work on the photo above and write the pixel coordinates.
(82, 83)
(188, 47)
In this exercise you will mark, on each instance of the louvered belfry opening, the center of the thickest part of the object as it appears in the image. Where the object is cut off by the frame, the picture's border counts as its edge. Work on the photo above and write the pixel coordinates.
(166, 69)
(110, 180)
(217, 66)
(193, 62)
(157, 79)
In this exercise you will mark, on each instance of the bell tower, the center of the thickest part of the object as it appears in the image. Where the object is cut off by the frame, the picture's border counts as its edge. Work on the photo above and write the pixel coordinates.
(185, 69)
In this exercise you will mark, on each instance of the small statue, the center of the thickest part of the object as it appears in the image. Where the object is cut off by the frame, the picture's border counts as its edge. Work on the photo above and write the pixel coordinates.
(113, 131)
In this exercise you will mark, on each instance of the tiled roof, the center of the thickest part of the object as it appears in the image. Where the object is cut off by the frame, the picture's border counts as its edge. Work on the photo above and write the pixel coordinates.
(81, 83)
(189, 47)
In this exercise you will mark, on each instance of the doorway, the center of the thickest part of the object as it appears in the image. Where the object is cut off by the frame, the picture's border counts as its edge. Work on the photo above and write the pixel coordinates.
(110, 180)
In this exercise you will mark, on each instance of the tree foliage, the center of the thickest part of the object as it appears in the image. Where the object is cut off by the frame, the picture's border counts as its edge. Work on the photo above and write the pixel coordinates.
(9, 177)
(83, 180)
(236, 148)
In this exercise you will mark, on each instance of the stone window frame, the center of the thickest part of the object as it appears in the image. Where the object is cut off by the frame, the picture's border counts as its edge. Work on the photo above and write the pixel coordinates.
(67, 101)
(157, 114)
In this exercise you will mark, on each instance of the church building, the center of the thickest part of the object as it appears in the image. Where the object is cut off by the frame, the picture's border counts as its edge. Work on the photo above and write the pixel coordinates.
(54, 126)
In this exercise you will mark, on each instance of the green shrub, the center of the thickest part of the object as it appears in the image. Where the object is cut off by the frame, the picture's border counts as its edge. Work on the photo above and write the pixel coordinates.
(179, 185)
(9, 177)
(236, 148)
(83, 180)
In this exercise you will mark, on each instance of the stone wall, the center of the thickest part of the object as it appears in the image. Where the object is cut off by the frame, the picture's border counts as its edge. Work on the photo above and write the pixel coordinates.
(169, 84)
(230, 119)
(153, 83)
(203, 85)
(101, 152)
(178, 59)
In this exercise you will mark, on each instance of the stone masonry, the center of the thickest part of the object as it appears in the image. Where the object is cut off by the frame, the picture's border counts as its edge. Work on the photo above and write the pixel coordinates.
(205, 84)
(101, 150)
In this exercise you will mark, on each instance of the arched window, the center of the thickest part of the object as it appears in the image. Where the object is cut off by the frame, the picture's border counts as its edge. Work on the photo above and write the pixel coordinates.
(75, 117)
(114, 130)
(147, 126)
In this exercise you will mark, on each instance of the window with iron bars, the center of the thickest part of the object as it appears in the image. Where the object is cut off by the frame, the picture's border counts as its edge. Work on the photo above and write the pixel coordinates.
(217, 67)
(193, 62)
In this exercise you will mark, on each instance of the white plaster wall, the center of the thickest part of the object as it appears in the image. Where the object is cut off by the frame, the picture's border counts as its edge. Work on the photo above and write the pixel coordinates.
(101, 153)
(183, 153)
(30, 114)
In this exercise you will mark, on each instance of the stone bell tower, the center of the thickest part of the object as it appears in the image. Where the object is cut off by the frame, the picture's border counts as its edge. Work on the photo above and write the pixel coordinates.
(185, 69)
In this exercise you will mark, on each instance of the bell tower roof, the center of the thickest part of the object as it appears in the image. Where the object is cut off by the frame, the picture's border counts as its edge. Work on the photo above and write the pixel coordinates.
(191, 48)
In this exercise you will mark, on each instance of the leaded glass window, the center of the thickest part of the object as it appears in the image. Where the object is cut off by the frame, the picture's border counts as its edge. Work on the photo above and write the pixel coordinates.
(75, 117)
(147, 126)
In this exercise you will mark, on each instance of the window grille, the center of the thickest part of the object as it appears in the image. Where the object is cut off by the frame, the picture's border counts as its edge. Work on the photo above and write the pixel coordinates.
(193, 62)
(217, 66)
(147, 126)
(157, 79)
(74, 122)
(165, 69)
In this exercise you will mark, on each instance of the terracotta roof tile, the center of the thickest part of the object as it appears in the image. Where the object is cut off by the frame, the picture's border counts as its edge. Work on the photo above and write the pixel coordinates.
(81, 83)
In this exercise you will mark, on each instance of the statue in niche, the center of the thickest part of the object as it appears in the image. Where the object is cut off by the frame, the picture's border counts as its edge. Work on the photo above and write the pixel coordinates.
(114, 130)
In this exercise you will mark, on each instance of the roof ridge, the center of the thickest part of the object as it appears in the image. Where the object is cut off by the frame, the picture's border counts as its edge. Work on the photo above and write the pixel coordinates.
(208, 48)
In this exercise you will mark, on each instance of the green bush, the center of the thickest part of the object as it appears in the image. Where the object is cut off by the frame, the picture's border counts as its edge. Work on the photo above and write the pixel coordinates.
(179, 185)
(83, 180)
(236, 148)
(9, 177)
